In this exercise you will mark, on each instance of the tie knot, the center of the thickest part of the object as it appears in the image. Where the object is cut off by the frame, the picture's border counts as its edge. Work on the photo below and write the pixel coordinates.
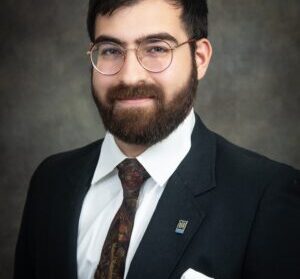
(132, 175)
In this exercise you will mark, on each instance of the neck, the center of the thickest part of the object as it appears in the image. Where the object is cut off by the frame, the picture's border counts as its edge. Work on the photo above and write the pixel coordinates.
(130, 150)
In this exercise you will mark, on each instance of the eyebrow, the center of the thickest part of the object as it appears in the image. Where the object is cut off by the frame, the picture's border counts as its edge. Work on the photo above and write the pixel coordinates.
(162, 36)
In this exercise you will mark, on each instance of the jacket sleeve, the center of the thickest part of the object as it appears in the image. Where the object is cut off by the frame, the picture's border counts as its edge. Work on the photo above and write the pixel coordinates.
(274, 244)
(23, 267)
(25, 256)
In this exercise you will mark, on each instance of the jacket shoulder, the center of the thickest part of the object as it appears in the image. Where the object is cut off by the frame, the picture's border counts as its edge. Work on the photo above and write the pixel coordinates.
(247, 164)
(73, 154)
(58, 163)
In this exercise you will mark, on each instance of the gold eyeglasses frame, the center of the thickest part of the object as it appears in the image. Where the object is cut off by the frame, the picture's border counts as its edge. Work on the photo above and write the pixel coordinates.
(124, 54)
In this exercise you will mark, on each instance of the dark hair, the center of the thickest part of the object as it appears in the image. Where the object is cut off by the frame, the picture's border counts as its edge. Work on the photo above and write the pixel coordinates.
(194, 14)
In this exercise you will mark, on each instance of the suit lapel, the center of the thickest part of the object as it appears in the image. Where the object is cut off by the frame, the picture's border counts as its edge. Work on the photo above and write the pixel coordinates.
(68, 206)
(161, 247)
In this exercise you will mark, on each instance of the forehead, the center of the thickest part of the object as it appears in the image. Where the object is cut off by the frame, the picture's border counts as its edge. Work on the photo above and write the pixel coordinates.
(142, 19)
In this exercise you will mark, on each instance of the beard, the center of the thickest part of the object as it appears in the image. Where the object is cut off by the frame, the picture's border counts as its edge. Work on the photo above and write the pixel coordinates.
(146, 125)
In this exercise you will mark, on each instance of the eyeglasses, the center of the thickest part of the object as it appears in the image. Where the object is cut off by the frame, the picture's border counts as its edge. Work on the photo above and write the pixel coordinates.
(154, 55)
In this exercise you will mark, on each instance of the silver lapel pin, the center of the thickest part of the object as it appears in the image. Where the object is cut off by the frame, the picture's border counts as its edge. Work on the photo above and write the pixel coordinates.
(181, 226)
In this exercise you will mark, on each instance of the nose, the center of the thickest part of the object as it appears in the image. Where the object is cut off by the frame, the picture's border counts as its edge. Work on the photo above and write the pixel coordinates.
(132, 72)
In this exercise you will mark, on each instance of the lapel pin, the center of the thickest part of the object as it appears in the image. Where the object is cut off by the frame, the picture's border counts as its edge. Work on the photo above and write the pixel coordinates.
(181, 226)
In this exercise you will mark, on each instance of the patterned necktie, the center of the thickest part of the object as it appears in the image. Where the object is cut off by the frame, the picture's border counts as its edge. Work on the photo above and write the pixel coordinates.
(114, 252)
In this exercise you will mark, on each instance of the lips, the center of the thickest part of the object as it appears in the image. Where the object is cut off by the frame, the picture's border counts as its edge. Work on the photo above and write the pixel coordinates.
(134, 98)
(134, 102)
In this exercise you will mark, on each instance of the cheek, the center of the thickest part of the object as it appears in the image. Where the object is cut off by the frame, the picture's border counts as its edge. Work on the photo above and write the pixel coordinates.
(101, 84)
(175, 77)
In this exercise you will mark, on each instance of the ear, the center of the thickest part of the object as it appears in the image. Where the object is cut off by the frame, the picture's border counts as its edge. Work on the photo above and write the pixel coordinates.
(203, 53)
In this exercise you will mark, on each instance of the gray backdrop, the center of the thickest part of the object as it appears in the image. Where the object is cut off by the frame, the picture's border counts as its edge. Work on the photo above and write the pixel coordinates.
(250, 94)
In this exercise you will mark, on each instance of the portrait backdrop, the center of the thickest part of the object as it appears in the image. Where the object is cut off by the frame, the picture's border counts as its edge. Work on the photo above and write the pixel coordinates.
(250, 94)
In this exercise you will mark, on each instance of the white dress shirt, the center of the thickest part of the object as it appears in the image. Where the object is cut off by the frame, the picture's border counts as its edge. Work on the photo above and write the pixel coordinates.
(105, 195)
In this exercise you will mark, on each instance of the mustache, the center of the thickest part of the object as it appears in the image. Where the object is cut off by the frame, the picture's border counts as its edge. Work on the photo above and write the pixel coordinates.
(126, 92)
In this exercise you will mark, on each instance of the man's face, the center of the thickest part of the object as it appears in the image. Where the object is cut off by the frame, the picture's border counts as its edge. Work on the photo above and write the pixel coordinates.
(138, 106)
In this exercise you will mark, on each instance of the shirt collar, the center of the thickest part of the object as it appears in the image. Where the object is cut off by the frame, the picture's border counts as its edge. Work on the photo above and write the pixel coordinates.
(160, 160)
(110, 157)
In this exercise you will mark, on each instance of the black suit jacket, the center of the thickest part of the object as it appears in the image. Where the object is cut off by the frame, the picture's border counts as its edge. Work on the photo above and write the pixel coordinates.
(243, 213)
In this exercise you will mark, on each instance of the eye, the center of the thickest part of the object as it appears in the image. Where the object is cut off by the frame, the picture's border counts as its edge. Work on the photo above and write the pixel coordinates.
(109, 52)
(156, 50)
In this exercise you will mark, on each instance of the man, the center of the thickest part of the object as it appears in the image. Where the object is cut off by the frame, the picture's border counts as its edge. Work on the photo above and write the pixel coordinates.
(161, 196)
